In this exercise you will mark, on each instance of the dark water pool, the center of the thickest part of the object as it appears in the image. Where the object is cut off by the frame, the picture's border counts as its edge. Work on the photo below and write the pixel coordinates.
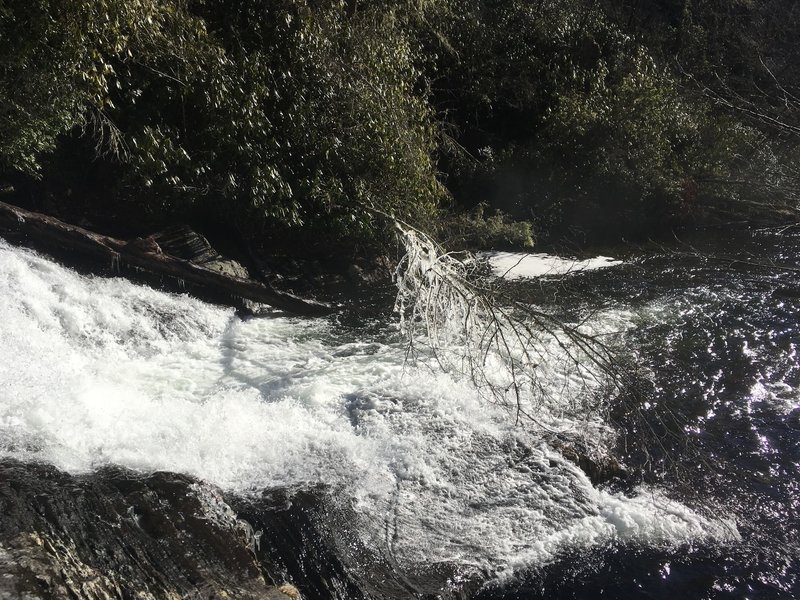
(716, 420)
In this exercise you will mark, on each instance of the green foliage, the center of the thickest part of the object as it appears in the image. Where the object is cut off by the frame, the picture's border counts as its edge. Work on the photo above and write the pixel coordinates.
(628, 124)
(474, 230)
(308, 119)
(560, 112)
(300, 115)
(562, 116)
(738, 61)
(58, 61)
(268, 115)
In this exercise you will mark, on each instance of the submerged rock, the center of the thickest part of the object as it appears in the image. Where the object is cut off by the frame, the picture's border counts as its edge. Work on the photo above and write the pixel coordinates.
(599, 468)
(115, 534)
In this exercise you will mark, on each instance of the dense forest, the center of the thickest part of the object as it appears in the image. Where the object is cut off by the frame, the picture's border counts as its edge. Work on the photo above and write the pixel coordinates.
(485, 122)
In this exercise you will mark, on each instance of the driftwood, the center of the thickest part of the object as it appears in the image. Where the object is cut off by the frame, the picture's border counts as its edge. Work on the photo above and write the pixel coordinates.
(145, 254)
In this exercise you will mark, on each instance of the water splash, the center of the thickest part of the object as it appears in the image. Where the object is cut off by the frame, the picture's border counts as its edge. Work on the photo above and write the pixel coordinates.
(515, 355)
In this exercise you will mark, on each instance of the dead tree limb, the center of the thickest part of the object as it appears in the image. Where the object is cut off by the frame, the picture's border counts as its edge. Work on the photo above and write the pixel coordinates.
(43, 230)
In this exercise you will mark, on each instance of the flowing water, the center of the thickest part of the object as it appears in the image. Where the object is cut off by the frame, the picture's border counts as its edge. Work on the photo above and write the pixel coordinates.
(422, 469)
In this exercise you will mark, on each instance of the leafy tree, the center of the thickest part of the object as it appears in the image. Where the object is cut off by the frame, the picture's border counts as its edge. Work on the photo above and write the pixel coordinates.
(314, 116)
(268, 115)
(562, 116)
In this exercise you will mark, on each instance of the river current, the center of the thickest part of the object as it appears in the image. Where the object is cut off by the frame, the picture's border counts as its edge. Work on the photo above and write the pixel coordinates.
(99, 371)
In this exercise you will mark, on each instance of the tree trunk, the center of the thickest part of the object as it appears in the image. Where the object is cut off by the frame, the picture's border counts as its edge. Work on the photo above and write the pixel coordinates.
(43, 230)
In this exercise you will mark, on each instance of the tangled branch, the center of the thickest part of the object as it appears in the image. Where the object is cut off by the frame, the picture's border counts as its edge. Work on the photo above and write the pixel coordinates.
(513, 353)
(571, 381)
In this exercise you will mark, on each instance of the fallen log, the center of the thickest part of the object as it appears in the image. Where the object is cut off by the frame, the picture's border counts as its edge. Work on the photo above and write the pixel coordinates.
(145, 254)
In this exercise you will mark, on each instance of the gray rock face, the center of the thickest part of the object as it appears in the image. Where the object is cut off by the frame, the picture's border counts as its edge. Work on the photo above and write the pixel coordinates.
(228, 267)
(116, 535)
(185, 243)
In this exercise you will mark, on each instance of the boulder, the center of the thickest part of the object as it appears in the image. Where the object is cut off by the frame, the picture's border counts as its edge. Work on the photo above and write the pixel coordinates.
(119, 535)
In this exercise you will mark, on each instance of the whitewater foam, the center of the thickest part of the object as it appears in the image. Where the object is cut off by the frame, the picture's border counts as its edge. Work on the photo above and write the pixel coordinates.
(522, 265)
(97, 371)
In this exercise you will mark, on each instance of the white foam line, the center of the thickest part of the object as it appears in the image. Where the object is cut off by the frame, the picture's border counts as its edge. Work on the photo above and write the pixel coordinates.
(517, 265)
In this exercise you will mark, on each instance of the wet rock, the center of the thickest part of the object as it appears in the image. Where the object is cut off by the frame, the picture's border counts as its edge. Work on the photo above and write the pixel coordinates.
(310, 536)
(228, 267)
(114, 534)
(599, 469)
(372, 270)
(302, 540)
(146, 245)
(182, 241)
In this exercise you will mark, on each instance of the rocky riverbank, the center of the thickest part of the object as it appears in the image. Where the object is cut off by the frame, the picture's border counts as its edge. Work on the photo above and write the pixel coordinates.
(116, 534)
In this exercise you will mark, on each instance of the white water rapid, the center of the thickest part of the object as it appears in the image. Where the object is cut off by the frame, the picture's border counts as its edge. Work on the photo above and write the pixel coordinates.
(98, 371)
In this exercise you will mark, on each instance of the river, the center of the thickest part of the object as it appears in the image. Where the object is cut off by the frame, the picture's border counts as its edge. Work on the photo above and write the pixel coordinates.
(426, 487)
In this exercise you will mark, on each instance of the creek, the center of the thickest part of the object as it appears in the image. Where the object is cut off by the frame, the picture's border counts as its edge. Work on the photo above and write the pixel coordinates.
(397, 479)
